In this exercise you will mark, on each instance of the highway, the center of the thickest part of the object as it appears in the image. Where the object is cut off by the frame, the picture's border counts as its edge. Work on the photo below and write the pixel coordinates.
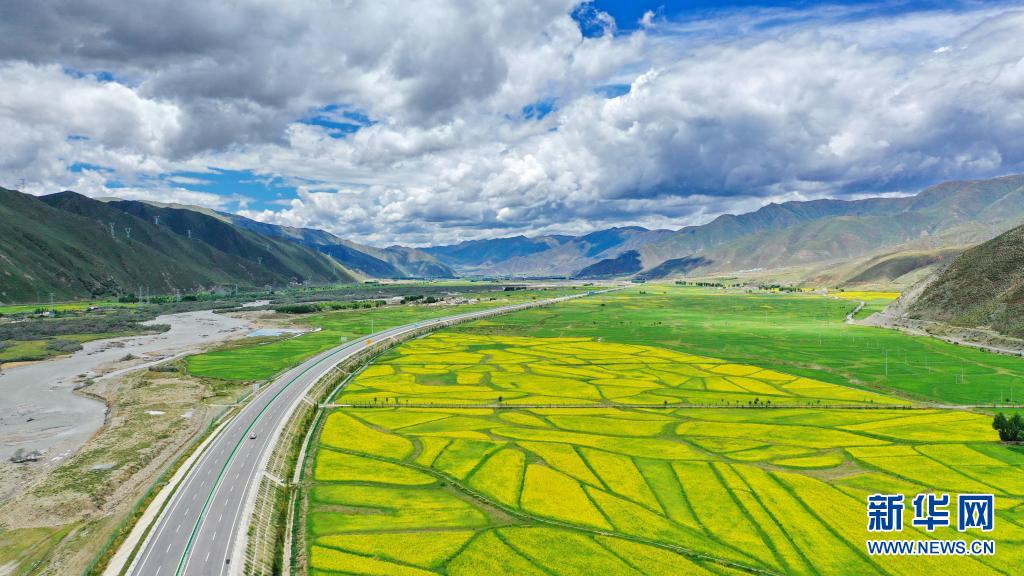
(196, 532)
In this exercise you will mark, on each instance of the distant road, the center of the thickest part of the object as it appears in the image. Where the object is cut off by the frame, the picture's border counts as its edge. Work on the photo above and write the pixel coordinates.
(196, 531)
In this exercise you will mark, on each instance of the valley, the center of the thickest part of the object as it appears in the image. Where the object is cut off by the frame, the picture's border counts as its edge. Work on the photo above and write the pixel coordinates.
(511, 288)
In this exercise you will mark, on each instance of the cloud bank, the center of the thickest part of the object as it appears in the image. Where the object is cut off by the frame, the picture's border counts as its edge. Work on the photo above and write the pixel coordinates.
(440, 121)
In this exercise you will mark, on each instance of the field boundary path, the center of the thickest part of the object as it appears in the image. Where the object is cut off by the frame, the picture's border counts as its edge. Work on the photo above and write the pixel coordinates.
(916, 406)
(853, 313)
(203, 527)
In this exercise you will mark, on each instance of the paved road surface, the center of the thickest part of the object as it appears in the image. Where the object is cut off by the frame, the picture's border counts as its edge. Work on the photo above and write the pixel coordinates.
(195, 533)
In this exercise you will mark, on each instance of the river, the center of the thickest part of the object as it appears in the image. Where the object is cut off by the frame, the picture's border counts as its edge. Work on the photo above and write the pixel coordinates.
(39, 409)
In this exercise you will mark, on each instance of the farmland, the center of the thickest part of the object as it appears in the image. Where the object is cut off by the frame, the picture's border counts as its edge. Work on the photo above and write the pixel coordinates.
(641, 475)
(801, 334)
(453, 368)
(261, 360)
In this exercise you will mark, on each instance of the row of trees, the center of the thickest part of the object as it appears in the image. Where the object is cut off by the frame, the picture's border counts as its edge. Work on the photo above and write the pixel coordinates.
(1011, 429)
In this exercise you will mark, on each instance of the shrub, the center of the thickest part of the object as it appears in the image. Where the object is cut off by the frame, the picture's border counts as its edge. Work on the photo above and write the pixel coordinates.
(63, 346)
(299, 308)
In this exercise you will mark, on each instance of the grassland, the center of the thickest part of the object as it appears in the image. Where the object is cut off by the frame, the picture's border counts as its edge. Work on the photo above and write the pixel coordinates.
(62, 307)
(262, 360)
(799, 334)
(614, 488)
(34, 350)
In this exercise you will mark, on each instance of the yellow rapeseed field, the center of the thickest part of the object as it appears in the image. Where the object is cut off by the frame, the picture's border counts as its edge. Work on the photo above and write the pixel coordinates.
(644, 481)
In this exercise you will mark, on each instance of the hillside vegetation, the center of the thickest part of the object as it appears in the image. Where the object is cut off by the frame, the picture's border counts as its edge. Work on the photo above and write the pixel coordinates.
(73, 246)
(776, 236)
(984, 286)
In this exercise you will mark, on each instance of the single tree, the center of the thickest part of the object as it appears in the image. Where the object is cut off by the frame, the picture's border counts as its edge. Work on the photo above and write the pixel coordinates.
(1016, 428)
(999, 423)
(1010, 429)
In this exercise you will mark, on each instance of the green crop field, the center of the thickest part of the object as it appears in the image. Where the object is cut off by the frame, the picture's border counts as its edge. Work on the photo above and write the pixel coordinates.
(261, 360)
(640, 476)
(455, 368)
(62, 307)
(800, 334)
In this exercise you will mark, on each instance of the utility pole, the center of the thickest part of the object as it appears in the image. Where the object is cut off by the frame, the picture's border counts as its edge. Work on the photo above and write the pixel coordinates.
(51, 300)
(887, 363)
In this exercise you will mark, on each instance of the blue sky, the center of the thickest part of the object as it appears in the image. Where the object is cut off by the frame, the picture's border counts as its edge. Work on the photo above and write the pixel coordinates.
(628, 13)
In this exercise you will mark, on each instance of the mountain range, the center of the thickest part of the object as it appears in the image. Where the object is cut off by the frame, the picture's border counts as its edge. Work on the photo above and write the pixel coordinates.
(798, 233)
(982, 287)
(75, 246)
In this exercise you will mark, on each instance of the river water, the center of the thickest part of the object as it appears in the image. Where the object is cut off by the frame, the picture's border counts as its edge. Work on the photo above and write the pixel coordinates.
(39, 409)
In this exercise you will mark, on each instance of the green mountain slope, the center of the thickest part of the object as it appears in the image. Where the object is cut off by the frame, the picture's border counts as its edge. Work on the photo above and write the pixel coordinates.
(74, 247)
(796, 233)
(286, 259)
(792, 234)
(984, 286)
(624, 264)
(545, 255)
(392, 262)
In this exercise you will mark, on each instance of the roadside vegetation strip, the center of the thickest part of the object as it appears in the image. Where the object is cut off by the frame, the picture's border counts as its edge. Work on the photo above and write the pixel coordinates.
(131, 535)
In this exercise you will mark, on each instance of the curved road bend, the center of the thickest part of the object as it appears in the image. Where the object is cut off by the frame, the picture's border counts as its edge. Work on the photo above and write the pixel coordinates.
(195, 532)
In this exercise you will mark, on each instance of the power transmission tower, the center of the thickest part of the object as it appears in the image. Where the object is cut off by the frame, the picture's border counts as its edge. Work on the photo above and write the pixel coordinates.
(128, 232)
(112, 235)
(156, 220)
(189, 233)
